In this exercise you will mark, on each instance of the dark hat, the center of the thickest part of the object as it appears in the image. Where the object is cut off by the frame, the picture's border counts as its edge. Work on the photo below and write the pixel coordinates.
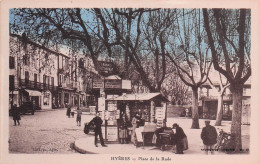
(207, 121)
(175, 125)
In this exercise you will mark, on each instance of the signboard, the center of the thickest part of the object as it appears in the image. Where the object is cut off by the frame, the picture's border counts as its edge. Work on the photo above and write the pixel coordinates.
(107, 114)
(126, 84)
(160, 115)
(111, 133)
(101, 103)
(98, 83)
(113, 83)
(92, 109)
(111, 106)
(117, 114)
(105, 67)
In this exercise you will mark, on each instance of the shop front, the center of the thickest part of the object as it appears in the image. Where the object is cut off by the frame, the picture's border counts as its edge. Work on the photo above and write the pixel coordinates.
(33, 96)
(46, 100)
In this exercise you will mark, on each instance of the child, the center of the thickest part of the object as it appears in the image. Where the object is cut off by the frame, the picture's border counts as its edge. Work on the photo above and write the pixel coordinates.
(79, 113)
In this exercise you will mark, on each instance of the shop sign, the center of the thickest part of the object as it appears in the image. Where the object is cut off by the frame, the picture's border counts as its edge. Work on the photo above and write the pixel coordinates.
(113, 83)
(105, 67)
(98, 83)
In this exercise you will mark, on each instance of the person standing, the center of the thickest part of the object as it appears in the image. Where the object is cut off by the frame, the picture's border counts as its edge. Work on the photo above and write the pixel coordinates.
(97, 121)
(209, 137)
(179, 139)
(78, 119)
(123, 133)
(135, 123)
(68, 110)
(16, 115)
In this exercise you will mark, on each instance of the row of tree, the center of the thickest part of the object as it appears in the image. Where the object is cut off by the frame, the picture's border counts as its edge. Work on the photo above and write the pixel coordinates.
(155, 43)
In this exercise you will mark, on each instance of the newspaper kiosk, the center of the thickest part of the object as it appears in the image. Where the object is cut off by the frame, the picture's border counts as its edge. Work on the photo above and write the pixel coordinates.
(151, 107)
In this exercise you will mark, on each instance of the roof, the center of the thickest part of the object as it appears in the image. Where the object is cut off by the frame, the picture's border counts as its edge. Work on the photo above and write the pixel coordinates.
(113, 77)
(139, 97)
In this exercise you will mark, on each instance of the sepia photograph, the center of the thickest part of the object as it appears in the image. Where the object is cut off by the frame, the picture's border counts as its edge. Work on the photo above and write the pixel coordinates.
(130, 84)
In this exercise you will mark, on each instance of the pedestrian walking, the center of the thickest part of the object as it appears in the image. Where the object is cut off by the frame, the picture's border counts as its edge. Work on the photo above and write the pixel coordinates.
(78, 119)
(135, 123)
(16, 115)
(97, 121)
(180, 139)
(68, 110)
(209, 137)
(123, 133)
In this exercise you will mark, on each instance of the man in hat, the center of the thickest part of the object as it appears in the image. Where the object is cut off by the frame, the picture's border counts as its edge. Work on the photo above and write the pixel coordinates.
(209, 137)
(97, 121)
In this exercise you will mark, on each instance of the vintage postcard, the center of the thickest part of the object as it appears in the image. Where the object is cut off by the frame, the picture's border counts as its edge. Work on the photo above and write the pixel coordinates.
(129, 81)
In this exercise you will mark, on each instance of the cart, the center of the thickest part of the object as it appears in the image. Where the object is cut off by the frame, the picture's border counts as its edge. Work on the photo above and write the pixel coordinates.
(165, 139)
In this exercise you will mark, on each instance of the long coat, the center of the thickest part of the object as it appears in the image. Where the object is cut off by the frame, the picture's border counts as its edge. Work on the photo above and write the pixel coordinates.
(16, 114)
(179, 135)
(209, 135)
(97, 121)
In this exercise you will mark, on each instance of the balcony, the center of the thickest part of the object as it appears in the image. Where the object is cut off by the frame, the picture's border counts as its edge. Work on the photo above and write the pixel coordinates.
(36, 85)
(227, 97)
(66, 86)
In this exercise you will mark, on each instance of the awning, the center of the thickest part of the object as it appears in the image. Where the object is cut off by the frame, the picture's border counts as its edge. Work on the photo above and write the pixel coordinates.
(33, 93)
(139, 97)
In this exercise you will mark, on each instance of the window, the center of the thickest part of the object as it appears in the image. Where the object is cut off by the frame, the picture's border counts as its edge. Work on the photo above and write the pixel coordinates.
(26, 59)
(52, 81)
(60, 79)
(48, 80)
(11, 82)
(46, 98)
(44, 79)
(26, 77)
(81, 63)
(35, 80)
(11, 62)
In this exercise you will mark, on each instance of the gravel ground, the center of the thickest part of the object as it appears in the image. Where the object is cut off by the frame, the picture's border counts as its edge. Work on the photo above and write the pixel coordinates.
(52, 132)
(45, 132)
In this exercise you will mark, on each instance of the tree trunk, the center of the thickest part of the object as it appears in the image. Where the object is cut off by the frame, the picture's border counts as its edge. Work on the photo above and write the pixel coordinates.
(195, 113)
(220, 110)
(237, 94)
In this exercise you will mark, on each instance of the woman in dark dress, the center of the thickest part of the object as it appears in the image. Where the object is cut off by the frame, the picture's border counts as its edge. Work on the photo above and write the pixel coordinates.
(68, 111)
(16, 115)
(179, 138)
(123, 133)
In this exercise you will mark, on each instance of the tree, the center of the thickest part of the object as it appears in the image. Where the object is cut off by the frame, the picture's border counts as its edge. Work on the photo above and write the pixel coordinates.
(229, 38)
(190, 55)
(95, 31)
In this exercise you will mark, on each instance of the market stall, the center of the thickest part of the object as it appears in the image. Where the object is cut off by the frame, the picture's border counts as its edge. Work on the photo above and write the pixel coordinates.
(150, 106)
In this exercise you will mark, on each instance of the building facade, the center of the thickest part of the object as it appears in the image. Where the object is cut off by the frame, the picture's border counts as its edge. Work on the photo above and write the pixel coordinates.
(47, 78)
(209, 99)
